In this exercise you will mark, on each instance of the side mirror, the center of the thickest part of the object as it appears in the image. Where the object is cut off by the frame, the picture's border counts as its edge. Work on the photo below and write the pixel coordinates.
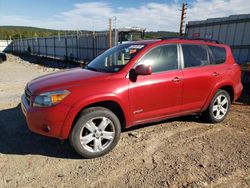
(143, 69)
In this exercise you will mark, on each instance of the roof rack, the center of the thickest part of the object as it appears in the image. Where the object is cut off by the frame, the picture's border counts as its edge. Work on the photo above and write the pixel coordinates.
(166, 38)
(188, 38)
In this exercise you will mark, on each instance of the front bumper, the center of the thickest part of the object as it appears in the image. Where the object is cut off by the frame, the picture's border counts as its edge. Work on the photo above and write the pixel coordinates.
(47, 121)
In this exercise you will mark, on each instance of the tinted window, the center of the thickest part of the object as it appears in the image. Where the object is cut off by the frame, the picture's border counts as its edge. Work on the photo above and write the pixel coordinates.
(195, 55)
(219, 54)
(161, 58)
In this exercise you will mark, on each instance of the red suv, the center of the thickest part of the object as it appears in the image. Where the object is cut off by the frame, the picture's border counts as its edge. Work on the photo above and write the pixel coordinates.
(131, 84)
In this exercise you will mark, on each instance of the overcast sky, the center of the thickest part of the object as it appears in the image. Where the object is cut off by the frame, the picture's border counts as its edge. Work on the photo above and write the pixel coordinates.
(94, 15)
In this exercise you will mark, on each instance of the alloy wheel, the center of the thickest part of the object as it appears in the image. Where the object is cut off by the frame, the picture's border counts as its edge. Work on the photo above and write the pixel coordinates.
(97, 134)
(220, 106)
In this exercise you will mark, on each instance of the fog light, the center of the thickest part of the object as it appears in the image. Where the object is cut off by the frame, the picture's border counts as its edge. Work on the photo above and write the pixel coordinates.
(46, 128)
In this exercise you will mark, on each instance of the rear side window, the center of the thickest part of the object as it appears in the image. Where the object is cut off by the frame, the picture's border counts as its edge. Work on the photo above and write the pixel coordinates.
(195, 55)
(218, 54)
(162, 58)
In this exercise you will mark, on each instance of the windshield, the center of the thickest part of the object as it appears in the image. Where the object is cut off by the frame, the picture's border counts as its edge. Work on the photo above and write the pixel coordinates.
(114, 59)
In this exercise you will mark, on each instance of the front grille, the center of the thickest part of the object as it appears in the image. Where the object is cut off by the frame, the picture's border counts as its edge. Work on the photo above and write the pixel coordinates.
(27, 94)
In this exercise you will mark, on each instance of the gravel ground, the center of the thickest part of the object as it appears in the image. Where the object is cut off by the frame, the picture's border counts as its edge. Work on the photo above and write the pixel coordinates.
(181, 152)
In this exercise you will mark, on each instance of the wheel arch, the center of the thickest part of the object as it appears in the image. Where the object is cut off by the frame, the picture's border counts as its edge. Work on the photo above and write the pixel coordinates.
(111, 103)
(226, 86)
(230, 90)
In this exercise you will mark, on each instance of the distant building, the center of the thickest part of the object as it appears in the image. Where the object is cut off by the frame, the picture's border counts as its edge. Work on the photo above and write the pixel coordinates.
(4, 45)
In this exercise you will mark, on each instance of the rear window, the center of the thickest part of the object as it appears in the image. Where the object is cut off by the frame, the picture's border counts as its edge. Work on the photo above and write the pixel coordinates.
(219, 54)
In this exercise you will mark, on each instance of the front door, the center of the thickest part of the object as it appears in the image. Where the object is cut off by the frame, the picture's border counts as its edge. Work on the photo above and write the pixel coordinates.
(157, 95)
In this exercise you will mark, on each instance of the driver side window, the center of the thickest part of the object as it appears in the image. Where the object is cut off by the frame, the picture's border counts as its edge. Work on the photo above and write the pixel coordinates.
(162, 58)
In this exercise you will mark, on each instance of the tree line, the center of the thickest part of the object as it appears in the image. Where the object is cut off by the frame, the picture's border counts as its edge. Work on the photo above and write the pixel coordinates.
(21, 32)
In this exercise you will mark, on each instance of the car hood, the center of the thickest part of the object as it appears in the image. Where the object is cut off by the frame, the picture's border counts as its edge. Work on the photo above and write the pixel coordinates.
(63, 80)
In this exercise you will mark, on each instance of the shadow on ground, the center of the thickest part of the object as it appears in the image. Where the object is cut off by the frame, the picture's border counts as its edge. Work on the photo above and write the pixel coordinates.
(15, 138)
(245, 96)
(197, 118)
(47, 62)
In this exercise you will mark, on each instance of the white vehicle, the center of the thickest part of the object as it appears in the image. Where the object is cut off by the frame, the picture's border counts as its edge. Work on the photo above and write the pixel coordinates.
(128, 34)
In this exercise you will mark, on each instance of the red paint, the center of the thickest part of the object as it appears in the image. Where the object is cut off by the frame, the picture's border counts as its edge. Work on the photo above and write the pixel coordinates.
(150, 98)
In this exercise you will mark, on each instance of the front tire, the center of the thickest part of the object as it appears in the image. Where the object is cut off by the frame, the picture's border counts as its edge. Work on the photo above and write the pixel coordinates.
(219, 107)
(96, 132)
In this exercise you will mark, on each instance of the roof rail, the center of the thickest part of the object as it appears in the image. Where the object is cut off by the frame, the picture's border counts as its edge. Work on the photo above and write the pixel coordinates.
(206, 40)
(188, 38)
(166, 38)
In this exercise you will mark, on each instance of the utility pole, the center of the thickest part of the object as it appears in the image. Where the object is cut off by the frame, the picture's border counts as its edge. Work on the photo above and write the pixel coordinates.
(110, 32)
(59, 35)
(115, 33)
(183, 12)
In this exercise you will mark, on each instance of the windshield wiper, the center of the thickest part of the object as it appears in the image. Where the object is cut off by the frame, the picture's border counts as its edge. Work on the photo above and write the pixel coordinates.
(91, 68)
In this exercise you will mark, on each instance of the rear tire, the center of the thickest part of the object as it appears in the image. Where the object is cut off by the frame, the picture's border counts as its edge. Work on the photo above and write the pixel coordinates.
(219, 107)
(96, 132)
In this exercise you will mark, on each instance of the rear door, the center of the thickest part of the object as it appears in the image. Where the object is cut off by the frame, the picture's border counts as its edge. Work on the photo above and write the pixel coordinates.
(159, 94)
(199, 76)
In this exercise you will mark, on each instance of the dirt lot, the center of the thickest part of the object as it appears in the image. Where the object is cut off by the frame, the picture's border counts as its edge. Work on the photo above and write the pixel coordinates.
(182, 152)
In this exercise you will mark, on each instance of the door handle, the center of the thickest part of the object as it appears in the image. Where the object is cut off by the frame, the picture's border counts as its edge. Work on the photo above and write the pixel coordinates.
(215, 74)
(176, 79)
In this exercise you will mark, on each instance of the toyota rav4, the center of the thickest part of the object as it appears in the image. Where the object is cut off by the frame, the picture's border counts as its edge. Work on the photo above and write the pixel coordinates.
(131, 84)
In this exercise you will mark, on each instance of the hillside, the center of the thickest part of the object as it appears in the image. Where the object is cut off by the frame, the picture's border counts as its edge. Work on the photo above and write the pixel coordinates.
(17, 32)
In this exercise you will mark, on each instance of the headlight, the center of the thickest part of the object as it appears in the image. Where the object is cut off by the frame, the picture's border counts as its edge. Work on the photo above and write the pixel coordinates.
(50, 98)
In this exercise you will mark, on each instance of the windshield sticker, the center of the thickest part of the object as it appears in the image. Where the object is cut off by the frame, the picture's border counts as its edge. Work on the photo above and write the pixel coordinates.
(132, 51)
(127, 50)
(136, 46)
